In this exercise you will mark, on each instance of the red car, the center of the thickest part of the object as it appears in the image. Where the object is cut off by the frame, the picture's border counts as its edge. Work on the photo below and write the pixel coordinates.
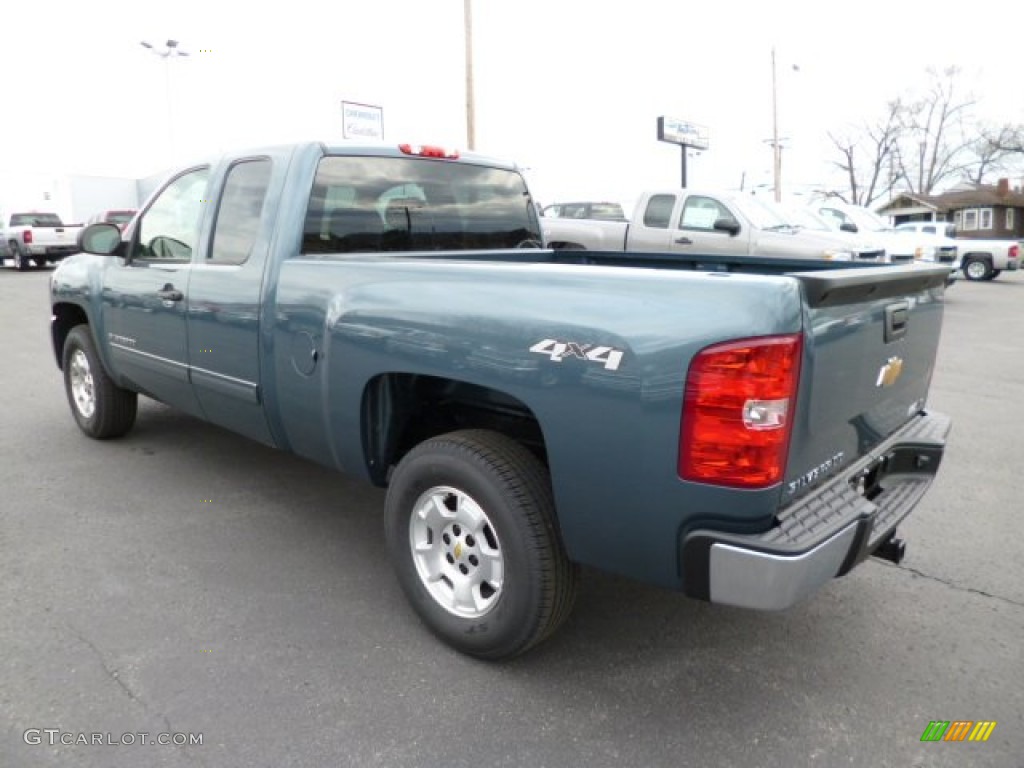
(120, 217)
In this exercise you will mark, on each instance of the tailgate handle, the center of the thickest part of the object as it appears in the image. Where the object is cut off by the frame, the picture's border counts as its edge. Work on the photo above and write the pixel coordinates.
(896, 318)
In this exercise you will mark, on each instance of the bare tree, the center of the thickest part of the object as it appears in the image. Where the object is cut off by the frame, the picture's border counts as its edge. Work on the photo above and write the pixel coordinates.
(868, 157)
(919, 145)
(992, 151)
(1008, 138)
(936, 141)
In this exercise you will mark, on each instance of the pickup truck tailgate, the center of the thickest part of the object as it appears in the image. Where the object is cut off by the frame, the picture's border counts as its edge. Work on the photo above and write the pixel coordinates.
(863, 449)
(871, 338)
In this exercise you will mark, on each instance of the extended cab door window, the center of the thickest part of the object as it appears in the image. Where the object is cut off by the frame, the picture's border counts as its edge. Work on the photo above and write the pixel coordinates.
(658, 213)
(240, 212)
(168, 231)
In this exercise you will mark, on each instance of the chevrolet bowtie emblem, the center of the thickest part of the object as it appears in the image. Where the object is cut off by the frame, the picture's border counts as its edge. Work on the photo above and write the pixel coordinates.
(889, 372)
(458, 550)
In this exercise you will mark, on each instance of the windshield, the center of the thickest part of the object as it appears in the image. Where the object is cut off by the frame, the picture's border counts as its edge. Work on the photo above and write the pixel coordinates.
(866, 219)
(808, 219)
(760, 213)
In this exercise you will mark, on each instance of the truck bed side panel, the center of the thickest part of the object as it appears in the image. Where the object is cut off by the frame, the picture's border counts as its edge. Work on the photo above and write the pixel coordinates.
(611, 435)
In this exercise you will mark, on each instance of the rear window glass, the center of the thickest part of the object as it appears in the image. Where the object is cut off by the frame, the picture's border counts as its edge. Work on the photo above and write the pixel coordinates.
(380, 204)
(35, 220)
(119, 217)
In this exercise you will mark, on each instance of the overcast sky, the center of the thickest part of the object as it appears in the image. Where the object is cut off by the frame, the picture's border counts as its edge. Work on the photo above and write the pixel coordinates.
(568, 88)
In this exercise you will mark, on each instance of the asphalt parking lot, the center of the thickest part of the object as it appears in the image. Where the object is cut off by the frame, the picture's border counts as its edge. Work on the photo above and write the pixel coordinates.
(187, 581)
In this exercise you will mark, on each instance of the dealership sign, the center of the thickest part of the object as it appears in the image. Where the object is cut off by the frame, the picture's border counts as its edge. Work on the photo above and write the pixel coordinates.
(680, 132)
(362, 121)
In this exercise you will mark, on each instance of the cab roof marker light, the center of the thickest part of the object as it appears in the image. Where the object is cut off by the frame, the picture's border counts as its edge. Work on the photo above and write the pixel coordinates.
(423, 150)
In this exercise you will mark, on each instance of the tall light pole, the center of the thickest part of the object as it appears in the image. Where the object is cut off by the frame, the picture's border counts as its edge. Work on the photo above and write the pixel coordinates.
(470, 106)
(168, 52)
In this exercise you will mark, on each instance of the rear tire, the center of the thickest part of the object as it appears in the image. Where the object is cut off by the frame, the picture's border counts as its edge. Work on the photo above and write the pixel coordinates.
(18, 256)
(101, 408)
(977, 269)
(470, 528)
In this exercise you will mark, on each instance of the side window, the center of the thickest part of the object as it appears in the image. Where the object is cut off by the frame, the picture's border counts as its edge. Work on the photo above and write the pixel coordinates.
(169, 230)
(240, 211)
(928, 230)
(701, 213)
(659, 211)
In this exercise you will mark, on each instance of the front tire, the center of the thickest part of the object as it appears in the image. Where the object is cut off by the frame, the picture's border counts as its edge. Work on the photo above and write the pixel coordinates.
(100, 407)
(470, 528)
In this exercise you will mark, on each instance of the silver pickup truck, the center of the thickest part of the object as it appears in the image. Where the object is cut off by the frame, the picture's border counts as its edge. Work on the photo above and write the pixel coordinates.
(701, 222)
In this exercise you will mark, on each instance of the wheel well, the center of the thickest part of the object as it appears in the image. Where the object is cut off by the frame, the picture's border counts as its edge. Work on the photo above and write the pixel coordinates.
(402, 410)
(65, 317)
(980, 255)
(561, 245)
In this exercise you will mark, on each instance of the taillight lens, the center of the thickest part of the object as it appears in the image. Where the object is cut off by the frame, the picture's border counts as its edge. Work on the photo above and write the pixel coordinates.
(1014, 251)
(27, 236)
(738, 412)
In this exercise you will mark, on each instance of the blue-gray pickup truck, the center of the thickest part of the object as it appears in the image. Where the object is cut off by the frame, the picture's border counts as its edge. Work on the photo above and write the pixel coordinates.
(741, 429)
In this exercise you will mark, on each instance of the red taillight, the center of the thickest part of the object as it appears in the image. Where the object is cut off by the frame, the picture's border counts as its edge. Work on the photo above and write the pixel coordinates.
(429, 151)
(1014, 251)
(27, 236)
(738, 412)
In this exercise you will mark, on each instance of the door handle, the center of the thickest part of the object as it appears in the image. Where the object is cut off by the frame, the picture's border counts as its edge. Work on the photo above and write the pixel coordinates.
(170, 293)
(684, 240)
(897, 316)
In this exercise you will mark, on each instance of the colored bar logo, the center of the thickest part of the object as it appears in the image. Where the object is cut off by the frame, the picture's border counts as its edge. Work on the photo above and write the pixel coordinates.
(958, 730)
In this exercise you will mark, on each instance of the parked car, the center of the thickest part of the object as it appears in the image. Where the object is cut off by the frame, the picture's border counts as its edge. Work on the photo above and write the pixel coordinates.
(599, 211)
(979, 259)
(38, 236)
(120, 217)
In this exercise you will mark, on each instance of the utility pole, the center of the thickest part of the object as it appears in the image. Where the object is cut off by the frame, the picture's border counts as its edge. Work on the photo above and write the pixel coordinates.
(470, 106)
(776, 149)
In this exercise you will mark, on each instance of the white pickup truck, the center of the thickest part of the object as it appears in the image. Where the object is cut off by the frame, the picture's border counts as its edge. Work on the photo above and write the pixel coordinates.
(979, 259)
(702, 223)
(39, 237)
(901, 246)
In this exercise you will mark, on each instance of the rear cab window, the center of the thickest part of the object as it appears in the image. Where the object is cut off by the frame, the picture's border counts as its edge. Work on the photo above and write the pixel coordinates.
(388, 204)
